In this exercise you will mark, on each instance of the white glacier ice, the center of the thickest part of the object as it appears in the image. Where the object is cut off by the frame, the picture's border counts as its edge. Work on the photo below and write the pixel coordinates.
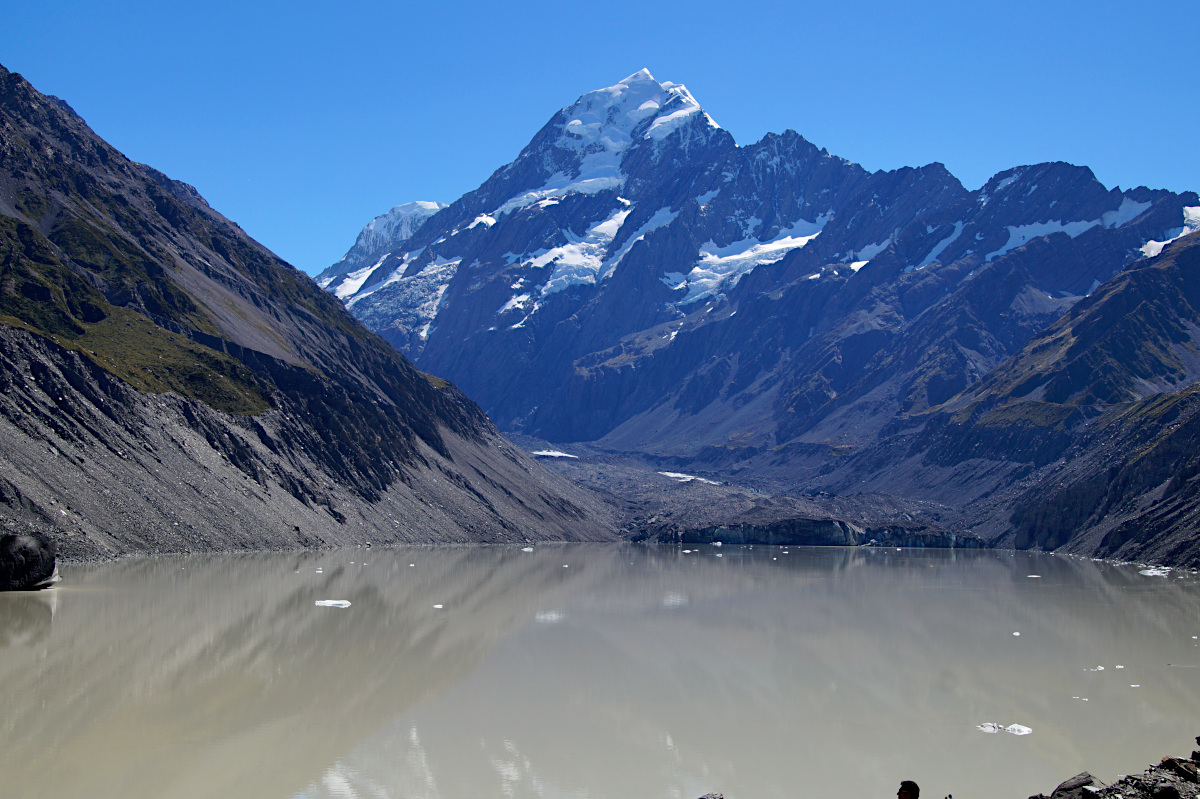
(1191, 223)
(687, 478)
(602, 126)
(723, 266)
(1019, 235)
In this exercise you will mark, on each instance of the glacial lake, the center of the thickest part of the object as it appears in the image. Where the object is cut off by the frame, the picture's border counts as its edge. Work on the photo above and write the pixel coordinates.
(605, 672)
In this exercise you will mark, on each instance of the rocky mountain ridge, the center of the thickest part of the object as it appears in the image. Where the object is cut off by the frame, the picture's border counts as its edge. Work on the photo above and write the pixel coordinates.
(170, 384)
(637, 280)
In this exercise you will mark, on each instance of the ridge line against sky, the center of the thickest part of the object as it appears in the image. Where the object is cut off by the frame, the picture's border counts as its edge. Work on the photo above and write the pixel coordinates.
(301, 123)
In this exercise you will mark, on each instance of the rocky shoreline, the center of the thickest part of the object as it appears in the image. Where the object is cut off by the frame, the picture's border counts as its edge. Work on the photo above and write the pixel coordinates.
(1171, 778)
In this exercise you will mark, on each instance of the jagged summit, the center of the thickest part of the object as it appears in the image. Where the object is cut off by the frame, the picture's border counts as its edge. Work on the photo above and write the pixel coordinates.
(636, 106)
(636, 276)
(381, 234)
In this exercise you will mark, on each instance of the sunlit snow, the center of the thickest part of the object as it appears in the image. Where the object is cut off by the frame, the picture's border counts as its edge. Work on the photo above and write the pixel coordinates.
(585, 259)
(1130, 209)
(552, 453)
(1191, 223)
(421, 294)
(939, 248)
(516, 302)
(871, 250)
(687, 478)
(601, 127)
(721, 265)
(661, 218)
(1019, 235)
(580, 260)
(354, 281)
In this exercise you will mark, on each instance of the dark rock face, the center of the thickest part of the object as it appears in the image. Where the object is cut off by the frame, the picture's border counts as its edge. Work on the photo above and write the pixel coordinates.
(27, 561)
(1087, 439)
(167, 383)
(1173, 778)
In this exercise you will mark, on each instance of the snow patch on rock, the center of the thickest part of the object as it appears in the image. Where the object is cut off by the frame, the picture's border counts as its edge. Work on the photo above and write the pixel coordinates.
(1191, 223)
(1020, 235)
(721, 266)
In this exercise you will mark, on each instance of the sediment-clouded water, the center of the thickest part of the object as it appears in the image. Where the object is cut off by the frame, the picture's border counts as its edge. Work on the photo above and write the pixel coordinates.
(605, 672)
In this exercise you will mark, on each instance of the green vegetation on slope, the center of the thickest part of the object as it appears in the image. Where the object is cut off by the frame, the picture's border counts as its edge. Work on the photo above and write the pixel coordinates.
(42, 294)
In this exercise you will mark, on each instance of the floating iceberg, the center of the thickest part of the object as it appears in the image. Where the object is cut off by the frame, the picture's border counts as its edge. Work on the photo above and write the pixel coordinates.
(332, 603)
(1015, 729)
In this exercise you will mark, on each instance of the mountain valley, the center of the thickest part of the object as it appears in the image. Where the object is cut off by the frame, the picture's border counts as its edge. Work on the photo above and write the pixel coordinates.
(777, 317)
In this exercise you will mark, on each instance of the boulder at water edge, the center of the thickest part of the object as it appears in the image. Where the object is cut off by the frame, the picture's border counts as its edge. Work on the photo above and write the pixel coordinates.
(26, 561)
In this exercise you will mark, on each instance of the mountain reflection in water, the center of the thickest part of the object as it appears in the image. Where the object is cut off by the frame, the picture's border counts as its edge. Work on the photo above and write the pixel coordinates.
(598, 671)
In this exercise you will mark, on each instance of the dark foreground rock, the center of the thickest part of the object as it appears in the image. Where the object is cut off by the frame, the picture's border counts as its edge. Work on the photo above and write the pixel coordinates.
(26, 561)
(1173, 778)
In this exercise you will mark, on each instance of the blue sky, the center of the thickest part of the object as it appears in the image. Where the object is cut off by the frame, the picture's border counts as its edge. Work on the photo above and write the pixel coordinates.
(302, 122)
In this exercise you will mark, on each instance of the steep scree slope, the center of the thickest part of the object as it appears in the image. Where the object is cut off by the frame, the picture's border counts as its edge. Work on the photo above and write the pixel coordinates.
(168, 383)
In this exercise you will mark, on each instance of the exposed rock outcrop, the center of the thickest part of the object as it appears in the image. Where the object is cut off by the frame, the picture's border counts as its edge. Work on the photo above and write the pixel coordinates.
(27, 561)
(1173, 778)
(169, 384)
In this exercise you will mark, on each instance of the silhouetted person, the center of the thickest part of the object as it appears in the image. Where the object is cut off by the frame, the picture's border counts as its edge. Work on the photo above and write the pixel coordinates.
(908, 790)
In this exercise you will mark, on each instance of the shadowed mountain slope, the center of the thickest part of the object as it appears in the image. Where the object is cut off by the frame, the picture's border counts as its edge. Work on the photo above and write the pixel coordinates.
(775, 315)
(169, 383)
(1088, 439)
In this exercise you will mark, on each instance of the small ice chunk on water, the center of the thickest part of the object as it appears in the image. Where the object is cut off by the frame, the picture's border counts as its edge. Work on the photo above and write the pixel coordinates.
(549, 617)
(1119, 666)
(527, 549)
(437, 607)
(717, 544)
(320, 571)
(1136, 686)
(674, 600)
(1033, 575)
(1016, 633)
(991, 727)
(1157, 572)
(332, 603)
(687, 551)
(1098, 668)
(719, 555)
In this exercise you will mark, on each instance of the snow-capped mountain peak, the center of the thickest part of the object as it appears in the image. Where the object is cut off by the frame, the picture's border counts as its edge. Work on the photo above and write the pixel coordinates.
(386, 231)
(598, 131)
(638, 106)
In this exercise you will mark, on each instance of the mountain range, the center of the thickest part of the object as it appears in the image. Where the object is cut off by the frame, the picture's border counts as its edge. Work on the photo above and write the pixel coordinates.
(1022, 356)
(169, 384)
